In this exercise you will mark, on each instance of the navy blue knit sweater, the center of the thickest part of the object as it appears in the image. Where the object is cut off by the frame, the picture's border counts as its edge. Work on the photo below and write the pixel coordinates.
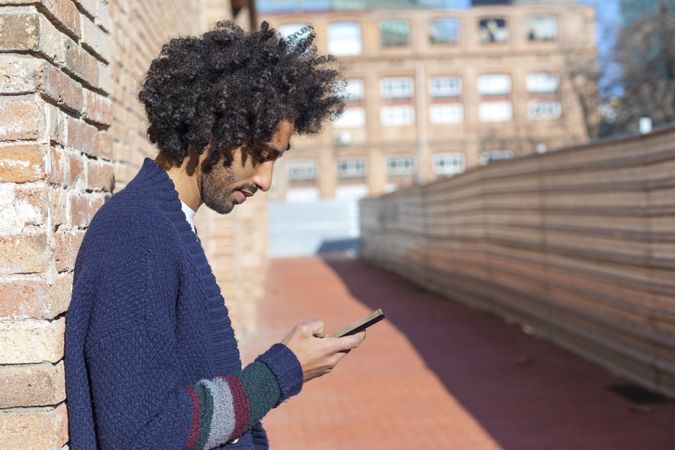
(151, 360)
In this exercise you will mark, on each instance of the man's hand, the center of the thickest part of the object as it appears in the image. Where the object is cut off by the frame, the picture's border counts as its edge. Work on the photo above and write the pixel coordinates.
(319, 354)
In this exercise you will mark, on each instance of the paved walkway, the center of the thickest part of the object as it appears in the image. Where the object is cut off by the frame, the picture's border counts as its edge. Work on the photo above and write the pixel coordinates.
(439, 375)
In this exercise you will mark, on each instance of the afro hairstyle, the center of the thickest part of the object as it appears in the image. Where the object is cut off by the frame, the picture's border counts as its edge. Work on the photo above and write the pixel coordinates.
(228, 88)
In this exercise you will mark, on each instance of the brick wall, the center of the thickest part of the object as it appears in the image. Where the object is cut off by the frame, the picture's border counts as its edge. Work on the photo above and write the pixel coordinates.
(71, 134)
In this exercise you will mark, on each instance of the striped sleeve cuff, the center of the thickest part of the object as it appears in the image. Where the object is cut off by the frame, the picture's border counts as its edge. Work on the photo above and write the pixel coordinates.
(220, 411)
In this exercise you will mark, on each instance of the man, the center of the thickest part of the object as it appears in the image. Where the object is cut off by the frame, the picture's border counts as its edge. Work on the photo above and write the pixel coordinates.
(151, 359)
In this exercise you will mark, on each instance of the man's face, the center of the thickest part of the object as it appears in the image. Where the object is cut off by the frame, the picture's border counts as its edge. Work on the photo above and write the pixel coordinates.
(223, 187)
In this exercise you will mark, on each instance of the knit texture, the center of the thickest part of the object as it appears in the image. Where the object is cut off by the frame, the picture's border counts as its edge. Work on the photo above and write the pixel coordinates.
(151, 360)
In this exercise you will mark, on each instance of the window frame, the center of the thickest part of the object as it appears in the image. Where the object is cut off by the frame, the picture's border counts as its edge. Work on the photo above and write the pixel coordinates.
(540, 16)
(485, 162)
(298, 162)
(331, 41)
(394, 45)
(481, 112)
(435, 106)
(434, 94)
(405, 171)
(529, 83)
(347, 174)
(506, 40)
(437, 157)
(385, 80)
(441, 19)
(534, 103)
(385, 109)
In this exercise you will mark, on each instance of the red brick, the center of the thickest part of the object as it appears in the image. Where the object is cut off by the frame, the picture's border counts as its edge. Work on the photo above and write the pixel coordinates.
(104, 145)
(104, 78)
(76, 169)
(100, 176)
(81, 63)
(31, 31)
(19, 73)
(66, 247)
(96, 40)
(36, 299)
(31, 428)
(56, 125)
(19, 32)
(97, 108)
(58, 206)
(21, 118)
(83, 208)
(24, 254)
(31, 206)
(32, 385)
(61, 88)
(59, 172)
(81, 136)
(22, 163)
(21, 207)
(65, 12)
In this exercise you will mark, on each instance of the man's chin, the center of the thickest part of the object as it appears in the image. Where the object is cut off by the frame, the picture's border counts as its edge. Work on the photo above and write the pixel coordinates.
(222, 208)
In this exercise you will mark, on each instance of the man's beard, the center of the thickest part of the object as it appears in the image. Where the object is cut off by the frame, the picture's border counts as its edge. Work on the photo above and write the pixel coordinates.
(212, 192)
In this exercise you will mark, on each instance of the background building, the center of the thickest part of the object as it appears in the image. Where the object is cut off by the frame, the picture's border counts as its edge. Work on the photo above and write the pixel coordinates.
(434, 91)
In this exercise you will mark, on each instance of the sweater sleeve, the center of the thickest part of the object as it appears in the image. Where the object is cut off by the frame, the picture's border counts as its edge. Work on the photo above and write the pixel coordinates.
(139, 402)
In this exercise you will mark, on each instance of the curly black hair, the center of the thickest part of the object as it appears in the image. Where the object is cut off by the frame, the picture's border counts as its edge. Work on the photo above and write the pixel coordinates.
(230, 88)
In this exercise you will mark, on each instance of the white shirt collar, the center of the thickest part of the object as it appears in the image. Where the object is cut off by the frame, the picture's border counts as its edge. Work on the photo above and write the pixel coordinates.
(189, 215)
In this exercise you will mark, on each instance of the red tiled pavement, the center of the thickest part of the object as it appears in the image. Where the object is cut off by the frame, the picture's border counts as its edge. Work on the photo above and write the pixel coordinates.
(438, 375)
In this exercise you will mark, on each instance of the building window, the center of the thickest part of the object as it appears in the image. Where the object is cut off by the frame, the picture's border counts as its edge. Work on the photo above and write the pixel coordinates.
(344, 38)
(495, 111)
(542, 28)
(444, 31)
(540, 83)
(448, 163)
(397, 115)
(394, 33)
(494, 84)
(493, 30)
(400, 165)
(495, 155)
(352, 168)
(400, 87)
(445, 87)
(302, 170)
(446, 113)
(351, 117)
(542, 110)
(354, 90)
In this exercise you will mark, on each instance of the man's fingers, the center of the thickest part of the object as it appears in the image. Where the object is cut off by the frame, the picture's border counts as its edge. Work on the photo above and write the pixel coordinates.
(347, 343)
(317, 327)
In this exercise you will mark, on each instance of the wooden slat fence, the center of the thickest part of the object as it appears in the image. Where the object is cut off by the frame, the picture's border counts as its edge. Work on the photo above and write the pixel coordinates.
(578, 244)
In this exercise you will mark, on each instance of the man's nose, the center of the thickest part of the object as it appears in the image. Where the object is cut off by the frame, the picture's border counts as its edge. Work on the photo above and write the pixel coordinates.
(263, 177)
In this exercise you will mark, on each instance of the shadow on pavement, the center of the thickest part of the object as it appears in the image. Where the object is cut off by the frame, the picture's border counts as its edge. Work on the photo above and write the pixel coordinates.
(525, 392)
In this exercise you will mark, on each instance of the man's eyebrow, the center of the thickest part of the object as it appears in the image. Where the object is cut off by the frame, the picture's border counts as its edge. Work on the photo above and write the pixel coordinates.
(274, 147)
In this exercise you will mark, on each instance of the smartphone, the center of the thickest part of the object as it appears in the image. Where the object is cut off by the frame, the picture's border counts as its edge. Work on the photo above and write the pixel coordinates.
(361, 324)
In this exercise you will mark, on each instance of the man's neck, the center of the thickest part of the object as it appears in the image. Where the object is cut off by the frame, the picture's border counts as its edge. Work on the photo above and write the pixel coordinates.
(185, 178)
